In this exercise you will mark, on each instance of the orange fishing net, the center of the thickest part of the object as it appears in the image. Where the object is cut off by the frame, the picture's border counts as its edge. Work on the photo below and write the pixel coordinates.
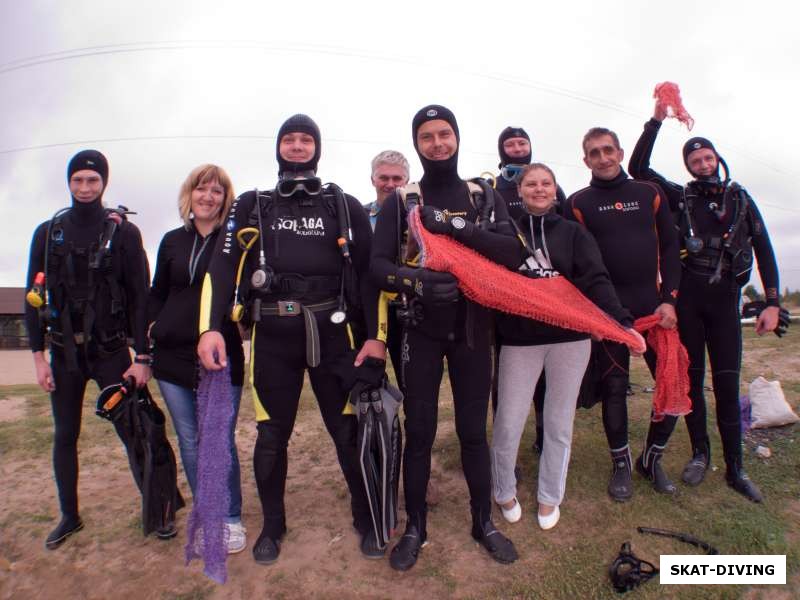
(552, 300)
(557, 302)
(671, 395)
(668, 97)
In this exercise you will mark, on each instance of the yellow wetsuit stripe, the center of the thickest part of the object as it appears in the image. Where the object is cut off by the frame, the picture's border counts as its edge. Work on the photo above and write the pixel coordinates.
(261, 412)
(205, 305)
(348, 408)
(383, 314)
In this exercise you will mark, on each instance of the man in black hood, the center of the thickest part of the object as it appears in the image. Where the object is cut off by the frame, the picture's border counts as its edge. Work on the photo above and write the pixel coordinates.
(91, 300)
(304, 299)
(439, 323)
(721, 228)
(514, 148)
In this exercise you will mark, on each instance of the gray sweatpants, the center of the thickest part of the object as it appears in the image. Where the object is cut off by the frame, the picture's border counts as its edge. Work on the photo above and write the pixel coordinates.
(520, 367)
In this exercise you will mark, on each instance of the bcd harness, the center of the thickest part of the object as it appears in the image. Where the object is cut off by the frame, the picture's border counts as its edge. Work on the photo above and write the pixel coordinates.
(730, 252)
(481, 197)
(342, 290)
(99, 301)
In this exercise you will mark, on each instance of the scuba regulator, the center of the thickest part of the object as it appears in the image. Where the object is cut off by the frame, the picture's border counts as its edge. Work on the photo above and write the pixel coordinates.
(35, 296)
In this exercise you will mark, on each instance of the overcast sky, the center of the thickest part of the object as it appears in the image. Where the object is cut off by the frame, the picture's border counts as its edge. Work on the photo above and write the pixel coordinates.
(160, 87)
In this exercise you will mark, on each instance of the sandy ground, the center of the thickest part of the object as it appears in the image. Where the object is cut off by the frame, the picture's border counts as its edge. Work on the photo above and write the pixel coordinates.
(16, 367)
(320, 557)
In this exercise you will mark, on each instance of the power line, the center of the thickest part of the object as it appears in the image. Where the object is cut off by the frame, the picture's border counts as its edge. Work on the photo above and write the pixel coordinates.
(133, 47)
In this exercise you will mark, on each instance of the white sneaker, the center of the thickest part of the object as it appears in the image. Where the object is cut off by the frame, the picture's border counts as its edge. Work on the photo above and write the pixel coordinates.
(237, 540)
(549, 521)
(513, 514)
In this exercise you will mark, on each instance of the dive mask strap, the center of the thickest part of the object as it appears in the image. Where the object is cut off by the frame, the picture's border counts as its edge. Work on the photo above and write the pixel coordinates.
(628, 572)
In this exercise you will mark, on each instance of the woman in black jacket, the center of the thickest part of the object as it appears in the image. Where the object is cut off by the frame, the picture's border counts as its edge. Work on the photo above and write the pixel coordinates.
(174, 311)
(553, 246)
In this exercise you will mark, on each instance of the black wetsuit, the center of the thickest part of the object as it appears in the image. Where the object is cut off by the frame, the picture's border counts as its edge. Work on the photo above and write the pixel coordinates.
(299, 241)
(174, 306)
(633, 228)
(394, 332)
(114, 298)
(461, 333)
(708, 313)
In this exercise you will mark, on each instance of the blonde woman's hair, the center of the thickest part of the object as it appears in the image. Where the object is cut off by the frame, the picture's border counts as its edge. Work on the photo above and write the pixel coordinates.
(205, 174)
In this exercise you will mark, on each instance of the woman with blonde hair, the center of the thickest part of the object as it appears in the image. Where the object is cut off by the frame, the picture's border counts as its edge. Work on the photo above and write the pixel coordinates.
(174, 312)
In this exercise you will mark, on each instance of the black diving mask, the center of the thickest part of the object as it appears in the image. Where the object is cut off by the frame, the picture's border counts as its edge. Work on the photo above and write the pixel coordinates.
(288, 187)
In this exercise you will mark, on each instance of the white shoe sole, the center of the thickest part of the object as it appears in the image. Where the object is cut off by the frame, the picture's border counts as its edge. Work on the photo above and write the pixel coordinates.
(549, 521)
(514, 514)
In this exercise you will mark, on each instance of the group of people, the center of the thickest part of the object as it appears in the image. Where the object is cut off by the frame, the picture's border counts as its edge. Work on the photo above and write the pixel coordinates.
(324, 284)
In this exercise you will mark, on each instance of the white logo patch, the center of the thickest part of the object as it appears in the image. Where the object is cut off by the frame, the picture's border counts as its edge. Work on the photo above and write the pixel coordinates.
(300, 226)
(432, 112)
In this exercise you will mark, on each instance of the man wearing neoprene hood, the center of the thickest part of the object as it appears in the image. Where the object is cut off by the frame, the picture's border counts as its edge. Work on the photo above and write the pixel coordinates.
(306, 294)
(514, 148)
(93, 298)
(631, 222)
(439, 323)
(720, 228)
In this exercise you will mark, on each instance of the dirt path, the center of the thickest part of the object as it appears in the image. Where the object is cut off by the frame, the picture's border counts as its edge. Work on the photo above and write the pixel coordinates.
(16, 367)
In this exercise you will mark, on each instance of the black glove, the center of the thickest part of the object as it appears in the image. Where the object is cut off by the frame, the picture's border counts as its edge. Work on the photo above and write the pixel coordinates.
(431, 287)
(753, 310)
(435, 220)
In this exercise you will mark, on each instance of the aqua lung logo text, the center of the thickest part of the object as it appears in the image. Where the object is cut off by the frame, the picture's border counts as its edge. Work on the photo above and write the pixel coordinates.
(230, 227)
(300, 226)
(620, 206)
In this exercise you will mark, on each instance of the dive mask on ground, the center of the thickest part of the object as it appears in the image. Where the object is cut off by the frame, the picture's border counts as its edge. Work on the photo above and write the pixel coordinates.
(511, 172)
(288, 187)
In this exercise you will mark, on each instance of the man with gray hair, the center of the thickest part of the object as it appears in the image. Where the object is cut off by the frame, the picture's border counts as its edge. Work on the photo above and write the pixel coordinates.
(389, 172)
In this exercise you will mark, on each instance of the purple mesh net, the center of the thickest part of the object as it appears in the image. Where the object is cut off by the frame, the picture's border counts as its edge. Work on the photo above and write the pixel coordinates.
(206, 532)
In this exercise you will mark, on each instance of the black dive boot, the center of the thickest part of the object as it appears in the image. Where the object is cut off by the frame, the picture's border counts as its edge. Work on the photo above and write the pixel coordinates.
(405, 553)
(620, 486)
(266, 549)
(738, 479)
(695, 470)
(648, 465)
(486, 534)
(65, 528)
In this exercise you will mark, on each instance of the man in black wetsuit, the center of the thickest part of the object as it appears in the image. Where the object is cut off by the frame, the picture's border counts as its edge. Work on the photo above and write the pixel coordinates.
(303, 298)
(442, 324)
(720, 228)
(96, 281)
(632, 225)
(514, 147)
